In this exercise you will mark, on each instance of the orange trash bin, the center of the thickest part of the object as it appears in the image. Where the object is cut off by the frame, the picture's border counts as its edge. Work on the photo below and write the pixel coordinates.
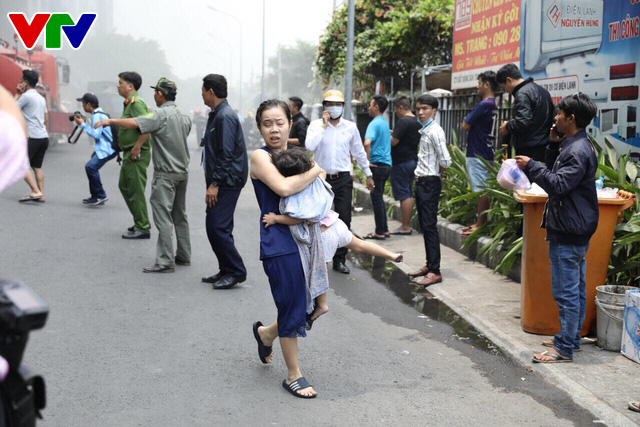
(539, 311)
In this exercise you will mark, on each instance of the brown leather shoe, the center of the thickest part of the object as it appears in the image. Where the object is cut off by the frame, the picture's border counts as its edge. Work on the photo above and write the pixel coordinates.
(422, 272)
(430, 279)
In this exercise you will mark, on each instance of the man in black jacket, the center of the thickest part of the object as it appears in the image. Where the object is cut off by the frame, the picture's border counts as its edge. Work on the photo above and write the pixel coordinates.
(532, 113)
(570, 217)
(298, 133)
(224, 158)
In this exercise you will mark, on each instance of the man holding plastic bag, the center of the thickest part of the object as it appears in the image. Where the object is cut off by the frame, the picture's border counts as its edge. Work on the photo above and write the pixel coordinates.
(570, 218)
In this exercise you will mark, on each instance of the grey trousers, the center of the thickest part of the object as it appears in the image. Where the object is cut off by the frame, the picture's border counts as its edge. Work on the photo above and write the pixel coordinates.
(168, 204)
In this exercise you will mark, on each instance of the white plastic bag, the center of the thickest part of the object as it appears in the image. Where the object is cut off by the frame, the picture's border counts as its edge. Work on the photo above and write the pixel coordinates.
(511, 177)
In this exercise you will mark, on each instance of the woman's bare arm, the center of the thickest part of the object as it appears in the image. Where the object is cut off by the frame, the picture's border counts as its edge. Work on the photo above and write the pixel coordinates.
(263, 169)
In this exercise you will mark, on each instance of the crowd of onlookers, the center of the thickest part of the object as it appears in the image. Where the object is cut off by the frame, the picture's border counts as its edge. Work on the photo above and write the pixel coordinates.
(550, 145)
(413, 156)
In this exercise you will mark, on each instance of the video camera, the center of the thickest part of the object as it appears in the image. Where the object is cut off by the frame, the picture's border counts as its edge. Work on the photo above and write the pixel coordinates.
(22, 393)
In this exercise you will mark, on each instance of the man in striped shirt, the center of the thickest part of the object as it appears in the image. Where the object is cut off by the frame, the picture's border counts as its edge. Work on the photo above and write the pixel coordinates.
(433, 159)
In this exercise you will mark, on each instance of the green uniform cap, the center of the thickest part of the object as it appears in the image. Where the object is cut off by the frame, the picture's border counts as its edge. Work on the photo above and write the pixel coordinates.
(165, 85)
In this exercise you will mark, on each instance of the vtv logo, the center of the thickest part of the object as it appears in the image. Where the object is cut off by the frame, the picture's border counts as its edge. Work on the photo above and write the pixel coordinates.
(29, 33)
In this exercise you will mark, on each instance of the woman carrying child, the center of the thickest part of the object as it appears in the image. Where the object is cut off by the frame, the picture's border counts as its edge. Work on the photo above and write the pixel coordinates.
(278, 251)
(310, 210)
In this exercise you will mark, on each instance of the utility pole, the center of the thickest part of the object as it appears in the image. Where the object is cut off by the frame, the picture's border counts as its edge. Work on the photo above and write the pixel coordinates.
(264, 11)
(240, 38)
(349, 65)
(279, 71)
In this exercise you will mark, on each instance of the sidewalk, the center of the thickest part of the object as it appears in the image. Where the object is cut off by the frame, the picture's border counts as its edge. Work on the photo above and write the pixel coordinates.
(598, 380)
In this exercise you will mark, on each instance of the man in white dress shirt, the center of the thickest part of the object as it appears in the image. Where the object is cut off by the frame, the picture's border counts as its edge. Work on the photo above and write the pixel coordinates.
(334, 141)
(433, 159)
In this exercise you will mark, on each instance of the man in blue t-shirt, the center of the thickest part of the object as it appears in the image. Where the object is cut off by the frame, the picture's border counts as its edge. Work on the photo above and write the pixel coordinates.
(377, 144)
(481, 125)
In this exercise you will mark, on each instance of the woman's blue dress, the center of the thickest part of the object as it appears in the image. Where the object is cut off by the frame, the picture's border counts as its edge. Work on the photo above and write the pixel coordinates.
(282, 265)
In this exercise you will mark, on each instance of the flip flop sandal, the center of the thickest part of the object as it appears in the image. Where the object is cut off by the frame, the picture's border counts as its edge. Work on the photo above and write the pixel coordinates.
(557, 358)
(634, 406)
(30, 199)
(552, 345)
(309, 322)
(373, 236)
(467, 231)
(299, 384)
(263, 350)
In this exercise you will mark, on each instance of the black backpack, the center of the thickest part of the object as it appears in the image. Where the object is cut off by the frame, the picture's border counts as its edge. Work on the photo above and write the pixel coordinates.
(114, 138)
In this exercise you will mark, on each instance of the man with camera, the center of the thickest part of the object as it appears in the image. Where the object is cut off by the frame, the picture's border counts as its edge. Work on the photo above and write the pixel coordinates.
(22, 391)
(103, 151)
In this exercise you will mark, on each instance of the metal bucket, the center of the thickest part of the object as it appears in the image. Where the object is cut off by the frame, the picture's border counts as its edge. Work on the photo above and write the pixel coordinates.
(610, 318)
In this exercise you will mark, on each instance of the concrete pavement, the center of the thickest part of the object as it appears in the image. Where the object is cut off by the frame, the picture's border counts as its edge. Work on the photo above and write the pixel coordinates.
(598, 380)
(123, 348)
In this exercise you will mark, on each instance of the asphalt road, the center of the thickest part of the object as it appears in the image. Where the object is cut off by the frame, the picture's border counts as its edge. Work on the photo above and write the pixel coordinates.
(123, 348)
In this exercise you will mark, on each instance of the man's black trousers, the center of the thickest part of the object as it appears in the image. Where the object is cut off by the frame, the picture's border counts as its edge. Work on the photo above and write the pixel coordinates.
(219, 231)
(342, 186)
(427, 192)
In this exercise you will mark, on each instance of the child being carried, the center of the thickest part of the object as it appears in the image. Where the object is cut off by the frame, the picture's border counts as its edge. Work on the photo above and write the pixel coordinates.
(311, 206)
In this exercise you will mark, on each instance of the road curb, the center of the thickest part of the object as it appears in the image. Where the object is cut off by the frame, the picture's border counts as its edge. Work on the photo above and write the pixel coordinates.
(450, 235)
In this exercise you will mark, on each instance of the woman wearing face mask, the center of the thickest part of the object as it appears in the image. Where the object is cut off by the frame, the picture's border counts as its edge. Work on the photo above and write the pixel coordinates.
(335, 140)
(278, 251)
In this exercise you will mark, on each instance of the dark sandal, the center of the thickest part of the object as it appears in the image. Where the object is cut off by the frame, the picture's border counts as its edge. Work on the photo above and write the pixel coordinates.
(30, 199)
(309, 322)
(299, 384)
(467, 231)
(550, 344)
(374, 236)
(634, 406)
(557, 358)
(263, 350)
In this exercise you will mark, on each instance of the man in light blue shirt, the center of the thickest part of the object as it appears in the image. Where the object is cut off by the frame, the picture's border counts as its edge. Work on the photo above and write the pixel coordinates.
(103, 151)
(377, 144)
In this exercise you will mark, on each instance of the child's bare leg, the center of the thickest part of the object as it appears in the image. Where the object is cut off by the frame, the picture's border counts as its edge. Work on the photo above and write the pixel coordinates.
(371, 248)
(321, 306)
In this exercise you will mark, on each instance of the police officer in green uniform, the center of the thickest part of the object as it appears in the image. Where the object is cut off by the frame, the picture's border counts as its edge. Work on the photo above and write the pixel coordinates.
(136, 155)
(170, 128)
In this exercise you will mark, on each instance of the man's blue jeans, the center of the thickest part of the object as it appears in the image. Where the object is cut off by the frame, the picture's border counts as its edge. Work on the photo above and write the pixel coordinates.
(93, 167)
(568, 287)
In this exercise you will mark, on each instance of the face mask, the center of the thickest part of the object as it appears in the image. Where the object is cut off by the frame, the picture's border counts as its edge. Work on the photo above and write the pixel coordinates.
(335, 112)
(425, 123)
